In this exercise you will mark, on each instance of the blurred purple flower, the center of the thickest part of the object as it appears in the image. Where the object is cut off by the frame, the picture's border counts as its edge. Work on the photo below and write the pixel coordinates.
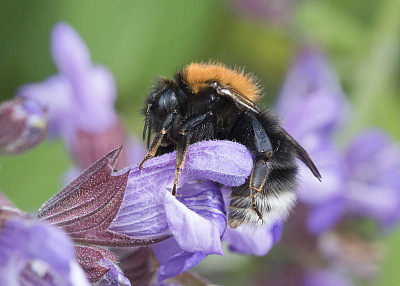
(364, 180)
(324, 278)
(23, 125)
(34, 253)
(373, 189)
(80, 100)
(273, 11)
(313, 106)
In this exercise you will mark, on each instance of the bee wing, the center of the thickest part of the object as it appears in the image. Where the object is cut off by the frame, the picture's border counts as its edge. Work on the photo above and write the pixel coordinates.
(303, 156)
(239, 99)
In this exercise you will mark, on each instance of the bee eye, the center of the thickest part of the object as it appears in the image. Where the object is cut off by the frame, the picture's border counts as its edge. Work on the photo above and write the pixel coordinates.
(167, 101)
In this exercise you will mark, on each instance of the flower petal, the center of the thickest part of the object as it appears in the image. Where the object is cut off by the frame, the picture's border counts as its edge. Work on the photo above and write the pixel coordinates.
(142, 213)
(69, 52)
(374, 185)
(331, 164)
(173, 259)
(37, 254)
(194, 232)
(325, 216)
(54, 94)
(253, 241)
(94, 97)
(310, 74)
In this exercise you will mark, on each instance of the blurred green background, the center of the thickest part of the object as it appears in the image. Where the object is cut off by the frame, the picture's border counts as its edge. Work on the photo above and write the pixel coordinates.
(139, 40)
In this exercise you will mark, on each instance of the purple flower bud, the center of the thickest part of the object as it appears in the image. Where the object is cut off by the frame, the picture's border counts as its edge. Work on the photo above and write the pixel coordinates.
(34, 253)
(23, 124)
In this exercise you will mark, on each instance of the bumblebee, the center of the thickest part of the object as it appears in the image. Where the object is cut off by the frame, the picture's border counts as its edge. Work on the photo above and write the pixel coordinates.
(212, 102)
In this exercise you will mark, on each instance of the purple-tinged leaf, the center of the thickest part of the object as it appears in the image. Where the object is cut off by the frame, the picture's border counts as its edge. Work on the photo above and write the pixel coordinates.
(89, 257)
(100, 266)
(87, 206)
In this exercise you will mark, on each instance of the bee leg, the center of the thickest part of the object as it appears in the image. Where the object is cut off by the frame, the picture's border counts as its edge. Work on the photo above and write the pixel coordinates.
(262, 164)
(165, 126)
(181, 151)
(259, 176)
(194, 121)
(153, 147)
(186, 130)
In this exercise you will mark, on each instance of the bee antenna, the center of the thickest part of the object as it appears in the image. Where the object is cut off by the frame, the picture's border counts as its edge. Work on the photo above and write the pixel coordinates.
(146, 123)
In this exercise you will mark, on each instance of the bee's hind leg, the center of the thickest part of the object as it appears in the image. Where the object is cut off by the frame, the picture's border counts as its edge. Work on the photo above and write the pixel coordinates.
(262, 164)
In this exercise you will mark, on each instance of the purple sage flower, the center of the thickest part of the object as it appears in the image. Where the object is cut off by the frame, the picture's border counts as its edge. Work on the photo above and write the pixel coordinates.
(23, 124)
(34, 253)
(364, 179)
(80, 101)
(197, 219)
(135, 207)
(373, 189)
(314, 106)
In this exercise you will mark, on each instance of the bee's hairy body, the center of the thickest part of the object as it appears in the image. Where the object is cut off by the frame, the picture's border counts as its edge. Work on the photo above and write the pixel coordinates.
(212, 102)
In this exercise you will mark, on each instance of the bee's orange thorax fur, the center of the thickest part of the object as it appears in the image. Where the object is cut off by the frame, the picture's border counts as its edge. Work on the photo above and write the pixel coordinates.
(198, 75)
